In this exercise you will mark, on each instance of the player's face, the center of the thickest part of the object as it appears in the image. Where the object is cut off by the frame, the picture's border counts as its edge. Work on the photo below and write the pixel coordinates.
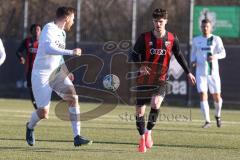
(206, 28)
(69, 22)
(37, 31)
(159, 24)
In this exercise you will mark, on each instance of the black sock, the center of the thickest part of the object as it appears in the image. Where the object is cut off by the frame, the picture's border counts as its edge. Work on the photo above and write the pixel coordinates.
(152, 118)
(140, 123)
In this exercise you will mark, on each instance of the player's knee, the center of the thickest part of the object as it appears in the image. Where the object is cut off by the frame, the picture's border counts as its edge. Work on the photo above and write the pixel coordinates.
(203, 96)
(156, 102)
(217, 98)
(140, 111)
(43, 113)
(155, 105)
(72, 100)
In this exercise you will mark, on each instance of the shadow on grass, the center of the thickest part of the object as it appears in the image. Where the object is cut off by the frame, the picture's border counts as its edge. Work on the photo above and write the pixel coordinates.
(196, 130)
(36, 149)
(57, 149)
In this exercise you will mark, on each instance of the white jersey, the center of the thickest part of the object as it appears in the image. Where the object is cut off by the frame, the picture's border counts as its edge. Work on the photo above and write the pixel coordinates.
(49, 58)
(2, 53)
(50, 51)
(201, 48)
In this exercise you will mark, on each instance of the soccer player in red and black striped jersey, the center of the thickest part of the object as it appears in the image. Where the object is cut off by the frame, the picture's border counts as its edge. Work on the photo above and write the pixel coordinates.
(28, 49)
(153, 51)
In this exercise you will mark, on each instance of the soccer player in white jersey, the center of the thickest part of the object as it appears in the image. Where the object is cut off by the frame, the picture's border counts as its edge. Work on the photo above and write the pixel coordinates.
(49, 73)
(2, 53)
(206, 50)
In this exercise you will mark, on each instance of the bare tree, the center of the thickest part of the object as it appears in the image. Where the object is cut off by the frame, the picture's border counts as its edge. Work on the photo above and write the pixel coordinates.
(102, 20)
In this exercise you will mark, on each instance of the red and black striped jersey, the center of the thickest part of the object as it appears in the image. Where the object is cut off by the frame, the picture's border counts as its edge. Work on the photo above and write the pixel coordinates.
(28, 47)
(156, 54)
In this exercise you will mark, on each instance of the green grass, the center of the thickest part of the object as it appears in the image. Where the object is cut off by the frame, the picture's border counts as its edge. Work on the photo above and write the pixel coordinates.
(115, 135)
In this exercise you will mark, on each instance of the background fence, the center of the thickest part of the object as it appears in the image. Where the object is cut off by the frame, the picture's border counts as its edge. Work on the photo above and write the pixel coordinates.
(104, 21)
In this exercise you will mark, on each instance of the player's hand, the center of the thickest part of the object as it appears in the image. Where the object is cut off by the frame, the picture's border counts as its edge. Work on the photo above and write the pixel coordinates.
(71, 76)
(77, 52)
(22, 60)
(191, 78)
(144, 70)
(211, 58)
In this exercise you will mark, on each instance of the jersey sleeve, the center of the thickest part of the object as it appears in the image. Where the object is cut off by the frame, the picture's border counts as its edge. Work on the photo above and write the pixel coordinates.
(21, 49)
(138, 49)
(2, 53)
(219, 51)
(51, 43)
(193, 57)
(179, 56)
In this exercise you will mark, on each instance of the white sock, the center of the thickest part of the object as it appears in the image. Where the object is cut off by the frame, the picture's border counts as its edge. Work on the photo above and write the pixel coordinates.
(218, 108)
(149, 131)
(205, 110)
(74, 113)
(33, 120)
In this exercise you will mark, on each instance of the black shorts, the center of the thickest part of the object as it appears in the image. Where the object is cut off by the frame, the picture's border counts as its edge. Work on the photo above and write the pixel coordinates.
(145, 93)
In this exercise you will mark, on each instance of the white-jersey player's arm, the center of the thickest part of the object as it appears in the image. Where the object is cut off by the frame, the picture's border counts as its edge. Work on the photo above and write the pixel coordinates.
(50, 43)
(193, 57)
(219, 51)
(2, 53)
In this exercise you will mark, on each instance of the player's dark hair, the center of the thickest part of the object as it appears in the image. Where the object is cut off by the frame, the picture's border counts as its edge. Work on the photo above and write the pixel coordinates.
(160, 13)
(204, 21)
(33, 27)
(63, 12)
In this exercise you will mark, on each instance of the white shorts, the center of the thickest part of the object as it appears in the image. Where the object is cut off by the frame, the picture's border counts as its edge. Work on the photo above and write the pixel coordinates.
(42, 89)
(213, 83)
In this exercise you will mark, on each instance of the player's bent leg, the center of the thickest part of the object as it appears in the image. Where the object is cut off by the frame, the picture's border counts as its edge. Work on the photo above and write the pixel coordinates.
(65, 89)
(36, 116)
(205, 108)
(218, 107)
(74, 115)
(43, 113)
(140, 123)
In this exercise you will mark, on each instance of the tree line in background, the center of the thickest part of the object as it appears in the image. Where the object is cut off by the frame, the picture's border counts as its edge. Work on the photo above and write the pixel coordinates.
(103, 20)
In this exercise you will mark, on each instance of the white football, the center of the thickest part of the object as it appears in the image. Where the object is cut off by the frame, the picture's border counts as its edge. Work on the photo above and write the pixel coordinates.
(111, 82)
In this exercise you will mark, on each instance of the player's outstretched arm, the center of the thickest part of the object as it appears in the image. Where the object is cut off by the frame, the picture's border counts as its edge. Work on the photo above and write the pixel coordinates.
(52, 45)
(53, 49)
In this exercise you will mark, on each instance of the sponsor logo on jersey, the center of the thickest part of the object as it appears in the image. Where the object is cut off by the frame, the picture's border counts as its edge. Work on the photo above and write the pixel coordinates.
(154, 51)
(62, 46)
(167, 43)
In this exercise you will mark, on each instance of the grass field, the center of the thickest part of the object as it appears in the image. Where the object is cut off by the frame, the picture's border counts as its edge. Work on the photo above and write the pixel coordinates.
(177, 136)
